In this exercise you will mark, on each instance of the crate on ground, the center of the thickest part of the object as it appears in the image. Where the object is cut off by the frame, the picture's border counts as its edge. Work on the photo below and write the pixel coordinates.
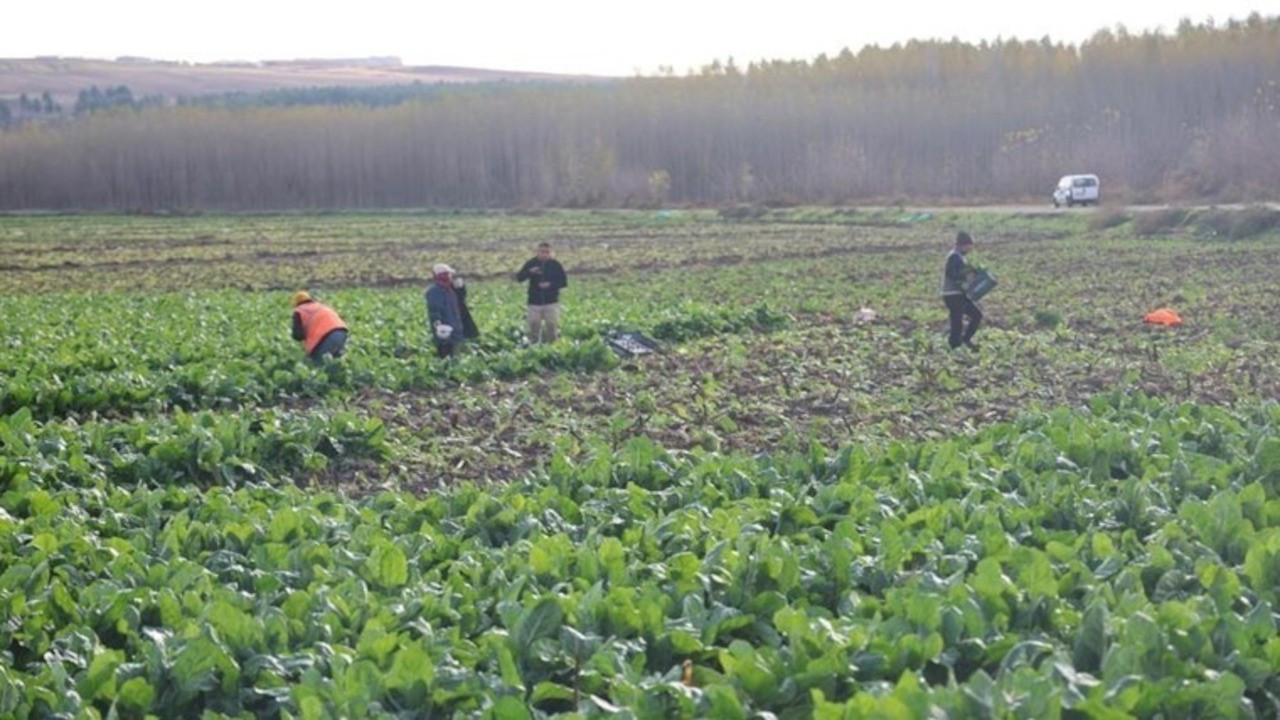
(632, 344)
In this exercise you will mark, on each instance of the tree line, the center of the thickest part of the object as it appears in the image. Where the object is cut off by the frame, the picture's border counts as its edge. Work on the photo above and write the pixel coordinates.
(1189, 115)
(369, 96)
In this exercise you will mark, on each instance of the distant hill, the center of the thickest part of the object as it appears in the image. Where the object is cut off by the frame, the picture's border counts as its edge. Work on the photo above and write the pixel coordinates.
(64, 78)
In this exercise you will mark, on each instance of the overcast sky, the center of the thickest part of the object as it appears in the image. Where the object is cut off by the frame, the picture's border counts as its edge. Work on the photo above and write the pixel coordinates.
(567, 36)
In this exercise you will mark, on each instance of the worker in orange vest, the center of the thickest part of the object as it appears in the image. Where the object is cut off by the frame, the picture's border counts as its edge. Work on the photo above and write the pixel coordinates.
(319, 328)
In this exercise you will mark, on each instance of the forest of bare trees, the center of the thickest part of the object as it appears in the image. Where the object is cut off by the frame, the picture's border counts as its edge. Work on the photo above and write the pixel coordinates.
(1189, 115)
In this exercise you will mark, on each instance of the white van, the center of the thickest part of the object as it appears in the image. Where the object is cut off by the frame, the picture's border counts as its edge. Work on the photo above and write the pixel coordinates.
(1076, 190)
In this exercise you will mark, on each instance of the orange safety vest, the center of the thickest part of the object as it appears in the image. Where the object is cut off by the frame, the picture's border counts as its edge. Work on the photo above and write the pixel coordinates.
(1163, 316)
(318, 320)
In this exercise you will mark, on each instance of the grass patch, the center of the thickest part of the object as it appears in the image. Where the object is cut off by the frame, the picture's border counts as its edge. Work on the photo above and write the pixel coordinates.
(1107, 218)
(1236, 224)
(1047, 319)
(1159, 222)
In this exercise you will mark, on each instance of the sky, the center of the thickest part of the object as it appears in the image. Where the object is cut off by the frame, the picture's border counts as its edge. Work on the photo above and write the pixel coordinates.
(593, 37)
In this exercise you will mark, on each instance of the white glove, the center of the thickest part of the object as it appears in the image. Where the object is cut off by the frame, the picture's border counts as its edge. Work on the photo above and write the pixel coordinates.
(457, 282)
(444, 331)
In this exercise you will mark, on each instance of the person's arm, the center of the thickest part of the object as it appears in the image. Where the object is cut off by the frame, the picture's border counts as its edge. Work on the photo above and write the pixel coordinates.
(298, 332)
(561, 280)
(524, 271)
(956, 269)
(435, 308)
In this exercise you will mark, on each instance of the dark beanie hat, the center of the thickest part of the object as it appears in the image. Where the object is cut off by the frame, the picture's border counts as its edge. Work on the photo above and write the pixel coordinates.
(962, 238)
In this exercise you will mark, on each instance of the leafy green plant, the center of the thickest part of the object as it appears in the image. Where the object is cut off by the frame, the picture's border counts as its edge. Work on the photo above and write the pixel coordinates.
(1048, 319)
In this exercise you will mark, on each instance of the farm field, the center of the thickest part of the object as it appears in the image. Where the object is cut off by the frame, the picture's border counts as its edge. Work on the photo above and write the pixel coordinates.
(787, 512)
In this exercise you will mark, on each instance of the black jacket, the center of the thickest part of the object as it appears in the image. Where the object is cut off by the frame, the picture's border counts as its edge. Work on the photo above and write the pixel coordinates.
(552, 272)
(469, 329)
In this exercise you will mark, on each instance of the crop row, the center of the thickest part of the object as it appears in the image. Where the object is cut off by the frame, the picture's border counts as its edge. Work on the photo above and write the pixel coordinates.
(80, 353)
(783, 390)
(272, 252)
(123, 354)
(1122, 558)
(198, 449)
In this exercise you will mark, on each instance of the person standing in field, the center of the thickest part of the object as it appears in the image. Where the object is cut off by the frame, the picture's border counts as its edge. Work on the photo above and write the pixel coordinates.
(319, 328)
(546, 277)
(955, 276)
(444, 312)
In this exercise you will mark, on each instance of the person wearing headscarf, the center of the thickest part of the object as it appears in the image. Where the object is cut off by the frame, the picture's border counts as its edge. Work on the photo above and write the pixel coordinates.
(444, 312)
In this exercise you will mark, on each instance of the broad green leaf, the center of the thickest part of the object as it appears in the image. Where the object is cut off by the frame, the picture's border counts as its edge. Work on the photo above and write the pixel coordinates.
(744, 665)
(725, 703)
(509, 708)
(411, 664)
(234, 625)
(100, 679)
(1035, 573)
(198, 665)
(12, 690)
(550, 691)
(1262, 564)
(136, 694)
(387, 566)
(1268, 459)
(1091, 639)
(540, 621)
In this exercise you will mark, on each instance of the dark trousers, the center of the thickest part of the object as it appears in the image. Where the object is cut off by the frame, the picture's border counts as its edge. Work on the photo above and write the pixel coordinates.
(445, 350)
(332, 344)
(961, 307)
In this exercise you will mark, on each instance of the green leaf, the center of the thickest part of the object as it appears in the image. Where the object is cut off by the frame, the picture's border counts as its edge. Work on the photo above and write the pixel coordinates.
(198, 663)
(387, 566)
(612, 557)
(510, 708)
(1091, 640)
(725, 703)
(507, 667)
(541, 561)
(100, 679)
(550, 691)
(376, 643)
(234, 625)
(990, 580)
(1035, 573)
(12, 690)
(312, 708)
(410, 665)
(580, 646)
(136, 694)
(1267, 459)
(1262, 564)
(683, 569)
(284, 524)
(743, 664)
(543, 620)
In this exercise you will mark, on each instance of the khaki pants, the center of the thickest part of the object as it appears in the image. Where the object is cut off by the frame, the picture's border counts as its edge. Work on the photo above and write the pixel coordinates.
(544, 322)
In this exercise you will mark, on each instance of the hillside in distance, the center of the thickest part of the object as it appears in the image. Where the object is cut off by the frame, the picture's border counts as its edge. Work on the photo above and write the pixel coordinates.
(64, 78)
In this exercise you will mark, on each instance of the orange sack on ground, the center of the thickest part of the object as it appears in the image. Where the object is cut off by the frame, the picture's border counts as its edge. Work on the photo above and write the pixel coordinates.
(1163, 316)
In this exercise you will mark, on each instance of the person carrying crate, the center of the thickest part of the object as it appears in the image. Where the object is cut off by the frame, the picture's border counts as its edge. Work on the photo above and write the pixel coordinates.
(956, 275)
